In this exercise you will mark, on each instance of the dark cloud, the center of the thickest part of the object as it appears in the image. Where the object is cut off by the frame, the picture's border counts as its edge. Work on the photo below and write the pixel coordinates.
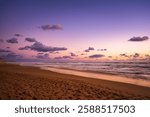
(58, 57)
(51, 27)
(109, 56)
(96, 56)
(42, 56)
(137, 39)
(2, 50)
(30, 39)
(63, 57)
(101, 49)
(86, 50)
(82, 54)
(73, 54)
(39, 47)
(148, 56)
(24, 48)
(124, 55)
(17, 35)
(12, 40)
(11, 56)
(89, 49)
(67, 57)
(136, 55)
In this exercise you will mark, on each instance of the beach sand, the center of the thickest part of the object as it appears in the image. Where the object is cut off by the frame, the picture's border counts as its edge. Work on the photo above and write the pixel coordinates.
(22, 82)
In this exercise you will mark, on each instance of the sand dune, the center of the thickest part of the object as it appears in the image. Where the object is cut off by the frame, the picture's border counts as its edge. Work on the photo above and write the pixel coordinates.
(21, 82)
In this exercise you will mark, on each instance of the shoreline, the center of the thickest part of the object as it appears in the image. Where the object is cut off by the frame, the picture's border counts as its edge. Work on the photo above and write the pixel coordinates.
(102, 76)
(95, 75)
(24, 82)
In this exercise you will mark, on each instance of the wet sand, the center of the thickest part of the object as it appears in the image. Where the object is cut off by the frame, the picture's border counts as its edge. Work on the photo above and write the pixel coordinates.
(22, 82)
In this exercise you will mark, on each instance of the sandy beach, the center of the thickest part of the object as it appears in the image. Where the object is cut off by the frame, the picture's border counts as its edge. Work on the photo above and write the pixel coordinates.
(22, 82)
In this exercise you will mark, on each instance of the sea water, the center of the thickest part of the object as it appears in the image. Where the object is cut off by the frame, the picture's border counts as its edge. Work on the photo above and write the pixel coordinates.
(134, 69)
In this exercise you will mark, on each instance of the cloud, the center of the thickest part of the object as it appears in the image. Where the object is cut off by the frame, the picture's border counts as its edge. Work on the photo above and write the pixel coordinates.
(55, 52)
(51, 27)
(86, 50)
(124, 55)
(109, 56)
(11, 56)
(63, 57)
(101, 49)
(67, 57)
(30, 39)
(96, 56)
(39, 47)
(12, 40)
(42, 56)
(17, 35)
(136, 55)
(137, 39)
(24, 48)
(89, 49)
(148, 56)
(82, 54)
(73, 54)
(2, 50)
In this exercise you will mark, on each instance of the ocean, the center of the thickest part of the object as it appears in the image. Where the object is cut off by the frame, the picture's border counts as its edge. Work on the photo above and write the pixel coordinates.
(134, 69)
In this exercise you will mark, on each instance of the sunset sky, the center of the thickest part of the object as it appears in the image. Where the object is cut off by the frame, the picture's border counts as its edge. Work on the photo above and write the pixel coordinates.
(74, 29)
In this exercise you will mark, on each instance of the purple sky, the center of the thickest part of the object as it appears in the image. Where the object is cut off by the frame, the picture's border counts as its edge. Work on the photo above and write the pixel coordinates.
(53, 29)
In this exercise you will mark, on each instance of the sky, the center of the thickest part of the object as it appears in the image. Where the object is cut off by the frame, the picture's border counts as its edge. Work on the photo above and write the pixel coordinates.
(80, 30)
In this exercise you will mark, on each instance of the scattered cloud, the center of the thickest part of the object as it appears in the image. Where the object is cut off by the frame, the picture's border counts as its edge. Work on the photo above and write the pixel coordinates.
(12, 40)
(17, 35)
(148, 56)
(89, 49)
(51, 27)
(63, 57)
(58, 57)
(96, 56)
(109, 56)
(39, 47)
(30, 39)
(42, 56)
(73, 54)
(67, 57)
(82, 54)
(137, 39)
(136, 55)
(11, 56)
(24, 48)
(3, 50)
(101, 49)
(86, 50)
(56, 52)
(124, 55)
